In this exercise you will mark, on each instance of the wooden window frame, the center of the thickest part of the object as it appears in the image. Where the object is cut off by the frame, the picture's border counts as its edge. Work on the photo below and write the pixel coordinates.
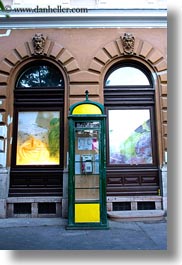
(153, 138)
(141, 179)
(29, 99)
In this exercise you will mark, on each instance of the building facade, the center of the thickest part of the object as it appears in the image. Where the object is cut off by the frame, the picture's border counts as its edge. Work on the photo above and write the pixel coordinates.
(46, 65)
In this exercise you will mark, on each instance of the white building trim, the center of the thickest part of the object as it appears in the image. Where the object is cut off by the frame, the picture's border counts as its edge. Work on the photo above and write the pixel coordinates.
(94, 18)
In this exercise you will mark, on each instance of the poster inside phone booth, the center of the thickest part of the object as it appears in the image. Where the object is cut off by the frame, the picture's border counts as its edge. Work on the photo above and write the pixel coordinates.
(87, 165)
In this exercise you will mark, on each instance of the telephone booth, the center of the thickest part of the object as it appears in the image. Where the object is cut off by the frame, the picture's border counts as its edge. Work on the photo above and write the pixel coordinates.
(87, 166)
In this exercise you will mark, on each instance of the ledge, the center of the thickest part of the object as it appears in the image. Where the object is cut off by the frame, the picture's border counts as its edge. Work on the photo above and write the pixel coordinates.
(33, 199)
(94, 18)
(139, 215)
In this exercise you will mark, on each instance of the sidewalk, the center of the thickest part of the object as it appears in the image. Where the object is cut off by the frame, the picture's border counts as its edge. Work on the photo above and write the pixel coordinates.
(50, 234)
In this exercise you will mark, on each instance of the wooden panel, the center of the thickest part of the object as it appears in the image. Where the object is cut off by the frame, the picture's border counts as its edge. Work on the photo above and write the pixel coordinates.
(131, 180)
(139, 182)
(26, 183)
(115, 96)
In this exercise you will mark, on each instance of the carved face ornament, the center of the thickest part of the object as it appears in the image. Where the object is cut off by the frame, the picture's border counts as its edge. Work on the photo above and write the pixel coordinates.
(128, 41)
(38, 43)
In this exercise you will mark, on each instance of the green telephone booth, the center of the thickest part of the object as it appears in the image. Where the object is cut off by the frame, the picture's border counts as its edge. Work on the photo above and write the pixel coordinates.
(87, 165)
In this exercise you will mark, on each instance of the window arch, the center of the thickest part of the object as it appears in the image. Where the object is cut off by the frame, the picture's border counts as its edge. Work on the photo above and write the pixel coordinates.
(132, 161)
(40, 75)
(38, 132)
(128, 74)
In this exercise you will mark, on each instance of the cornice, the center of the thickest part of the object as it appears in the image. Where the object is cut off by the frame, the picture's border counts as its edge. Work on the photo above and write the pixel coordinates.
(95, 18)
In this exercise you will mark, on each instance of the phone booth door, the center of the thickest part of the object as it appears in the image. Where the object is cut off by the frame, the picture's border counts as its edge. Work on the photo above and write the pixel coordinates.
(87, 184)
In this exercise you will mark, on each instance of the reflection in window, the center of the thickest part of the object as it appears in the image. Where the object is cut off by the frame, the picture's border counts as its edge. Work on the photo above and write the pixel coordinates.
(127, 76)
(130, 137)
(38, 140)
(40, 76)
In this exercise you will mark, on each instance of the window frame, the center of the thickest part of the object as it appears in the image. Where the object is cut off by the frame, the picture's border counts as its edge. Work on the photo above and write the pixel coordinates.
(27, 99)
(131, 97)
(37, 180)
(153, 139)
(36, 65)
(15, 140)
(136, 65)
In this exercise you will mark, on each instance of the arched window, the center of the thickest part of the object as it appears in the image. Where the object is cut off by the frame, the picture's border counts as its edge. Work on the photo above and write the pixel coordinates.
(129, 96)
(40, 76)
(37, 153)
(127, 76)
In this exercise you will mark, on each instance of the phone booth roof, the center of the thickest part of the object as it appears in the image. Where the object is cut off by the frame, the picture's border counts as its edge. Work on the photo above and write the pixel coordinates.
(87, 107)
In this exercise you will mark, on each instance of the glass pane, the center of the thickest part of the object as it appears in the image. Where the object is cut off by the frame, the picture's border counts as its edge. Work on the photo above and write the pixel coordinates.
(87, 152)
(91, 181)
(130, 137)
(87, 178)
(87, 194)
(38, 140)
(40, 76)
(127, 76)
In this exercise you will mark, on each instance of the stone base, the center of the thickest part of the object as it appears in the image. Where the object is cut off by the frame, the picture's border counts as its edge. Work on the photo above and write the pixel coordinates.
(164, 203)
(4, 183)
(133, 201)
(64, 208)
(136, 215)
(2, 208)
(34, 206)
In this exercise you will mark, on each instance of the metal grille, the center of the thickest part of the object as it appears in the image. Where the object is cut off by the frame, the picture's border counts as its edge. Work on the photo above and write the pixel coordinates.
(22, 208)
(47, 208)
(121, 206)
(146, 205)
